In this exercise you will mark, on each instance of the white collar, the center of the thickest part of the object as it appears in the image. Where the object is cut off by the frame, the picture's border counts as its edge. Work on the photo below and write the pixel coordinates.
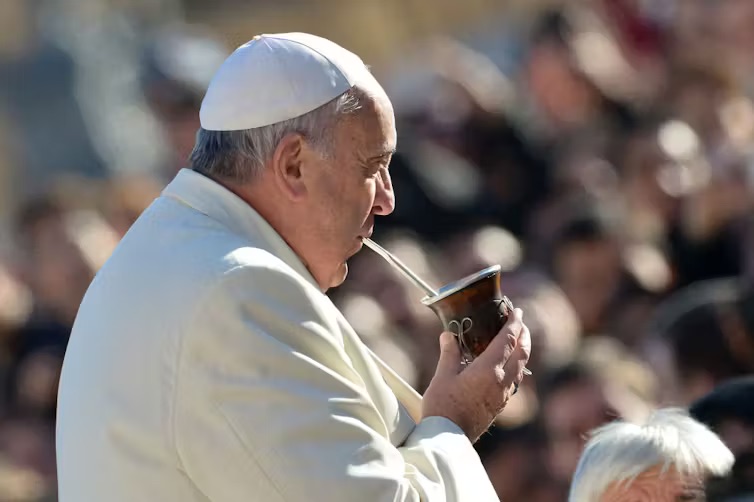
(217, 202)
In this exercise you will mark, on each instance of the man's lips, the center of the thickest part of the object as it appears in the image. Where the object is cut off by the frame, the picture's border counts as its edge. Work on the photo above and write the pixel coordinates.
(366, 235)
(360, 240)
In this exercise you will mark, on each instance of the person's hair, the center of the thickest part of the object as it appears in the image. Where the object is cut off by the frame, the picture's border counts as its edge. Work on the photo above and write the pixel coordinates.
(499, 437)
(552, 26)
(585, 225)
(619, 452)
(240, 155)
(574, 372)
(731, 400)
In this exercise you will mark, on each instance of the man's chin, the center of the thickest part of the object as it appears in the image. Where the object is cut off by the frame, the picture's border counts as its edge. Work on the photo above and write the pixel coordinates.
(358, 247)
(339, 276)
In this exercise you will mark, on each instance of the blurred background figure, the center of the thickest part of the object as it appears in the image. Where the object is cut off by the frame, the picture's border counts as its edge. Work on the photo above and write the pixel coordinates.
(177, 66)
(701, 337)
(600, 151)
(729, 411)
(604, 382)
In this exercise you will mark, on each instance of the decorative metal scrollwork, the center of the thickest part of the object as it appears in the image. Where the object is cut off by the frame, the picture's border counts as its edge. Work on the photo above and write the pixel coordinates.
(504, 306)
(459, 329)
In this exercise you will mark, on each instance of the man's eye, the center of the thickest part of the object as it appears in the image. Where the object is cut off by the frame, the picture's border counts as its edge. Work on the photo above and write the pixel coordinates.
(696, 496)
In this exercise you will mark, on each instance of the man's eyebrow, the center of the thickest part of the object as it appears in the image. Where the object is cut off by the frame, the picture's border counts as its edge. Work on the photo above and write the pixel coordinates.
(382, 155)
(692, 493)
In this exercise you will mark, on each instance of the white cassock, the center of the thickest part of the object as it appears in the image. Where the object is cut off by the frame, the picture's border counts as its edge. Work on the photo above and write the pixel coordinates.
(205, 364)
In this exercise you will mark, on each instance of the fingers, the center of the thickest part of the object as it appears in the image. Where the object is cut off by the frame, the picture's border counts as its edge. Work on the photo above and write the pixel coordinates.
(473, 397)
(450, 355)
(504, 344)
(515, 366)
(506, 357)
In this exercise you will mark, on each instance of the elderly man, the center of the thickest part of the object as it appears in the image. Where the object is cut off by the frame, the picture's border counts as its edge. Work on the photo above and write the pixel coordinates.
(667, 459)
(206, 361)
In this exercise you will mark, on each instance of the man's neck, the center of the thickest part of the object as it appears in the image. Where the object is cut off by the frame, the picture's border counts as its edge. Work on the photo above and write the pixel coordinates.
(264, 200)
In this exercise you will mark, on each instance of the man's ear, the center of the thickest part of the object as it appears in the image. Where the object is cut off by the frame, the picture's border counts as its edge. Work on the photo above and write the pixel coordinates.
(287, 166)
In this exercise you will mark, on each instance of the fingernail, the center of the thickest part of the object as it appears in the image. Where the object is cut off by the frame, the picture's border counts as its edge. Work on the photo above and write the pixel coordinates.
(519, 313)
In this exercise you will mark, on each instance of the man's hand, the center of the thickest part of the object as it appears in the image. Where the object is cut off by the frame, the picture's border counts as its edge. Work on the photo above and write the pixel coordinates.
(472, 398)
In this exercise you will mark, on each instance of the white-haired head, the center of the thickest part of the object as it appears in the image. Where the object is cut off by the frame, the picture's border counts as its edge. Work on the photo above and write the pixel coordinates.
(274, 85)
(619, 452)
(240, 155)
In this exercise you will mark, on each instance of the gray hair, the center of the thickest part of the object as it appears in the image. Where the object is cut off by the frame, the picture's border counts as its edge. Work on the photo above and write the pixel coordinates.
(240, 155)
(619, 452)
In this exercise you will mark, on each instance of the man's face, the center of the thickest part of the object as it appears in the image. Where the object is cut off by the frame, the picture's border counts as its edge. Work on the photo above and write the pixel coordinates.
(569, 414)
(657, 486)
(589, 273)
(58, 271)
(352, 186)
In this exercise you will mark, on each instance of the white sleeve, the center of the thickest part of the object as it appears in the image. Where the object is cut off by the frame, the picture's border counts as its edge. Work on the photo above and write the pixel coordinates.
(269, 408)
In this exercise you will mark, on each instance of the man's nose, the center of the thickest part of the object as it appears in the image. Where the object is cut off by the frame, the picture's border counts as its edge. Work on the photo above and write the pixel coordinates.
(384, 200)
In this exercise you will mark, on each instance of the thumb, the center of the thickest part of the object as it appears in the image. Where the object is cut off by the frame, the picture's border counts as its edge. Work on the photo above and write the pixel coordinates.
(450, 355)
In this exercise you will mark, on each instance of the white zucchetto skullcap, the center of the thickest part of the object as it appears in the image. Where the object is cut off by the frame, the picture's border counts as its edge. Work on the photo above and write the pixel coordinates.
(278, 77)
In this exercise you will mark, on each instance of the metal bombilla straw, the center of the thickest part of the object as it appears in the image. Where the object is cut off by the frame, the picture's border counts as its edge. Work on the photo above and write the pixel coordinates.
(395, 262)
(407, 272)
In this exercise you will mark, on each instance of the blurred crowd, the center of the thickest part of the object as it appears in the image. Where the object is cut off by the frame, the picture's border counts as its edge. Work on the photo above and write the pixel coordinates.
(609, 170)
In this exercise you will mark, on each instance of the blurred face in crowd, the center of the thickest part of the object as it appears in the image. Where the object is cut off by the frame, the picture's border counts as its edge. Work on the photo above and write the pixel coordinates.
(718, 203)
(698, 97)
(655, 485)
(561, 92)
(26, 445)
(180, 121)
(643, 168)
(57, 270)
(569, 414)
(589, 273)
(127, 198)
(337, 196)
(449, 112)
(510, 469)
(376, 278)
(674, 391)
(15, 303)
(37, 383)
(734, 22)
(720, 29)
